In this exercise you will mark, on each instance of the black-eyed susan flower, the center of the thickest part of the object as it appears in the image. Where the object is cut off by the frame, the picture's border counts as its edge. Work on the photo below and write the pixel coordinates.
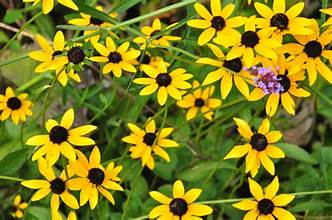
(57, 216)
(251, 43)
(229, 71)
(150, 31)
(51, 57)
(18, 206)
(16, 107)
(60, 139)
(309, 52)
(165, 82)
(88, 20)
(218, 23)
(327, 11)
(181, 206)
(259, 148)
(47, 5)
(116, 59)
(149, 60)
(149, 141)
(57, 186)
(94, 178)
(199, 100)
(281, 21)
(266, 204)
(276, 82)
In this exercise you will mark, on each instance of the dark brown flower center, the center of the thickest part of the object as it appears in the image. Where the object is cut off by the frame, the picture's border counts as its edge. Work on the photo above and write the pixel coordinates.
(234, 65)
(58, 186)
(163, 79)
(146, 59)
(155, 33)
(115, 57)
(265, 206)
(149, 138)
(96, 176)
(313, 49)
(258, 142)
(14, 103)
(284, 82)
(279, 21)
(218, 23)
(199, 102)
(76, 55)
(178, 207)
(249, 39)
(96, 21)
(58, 134)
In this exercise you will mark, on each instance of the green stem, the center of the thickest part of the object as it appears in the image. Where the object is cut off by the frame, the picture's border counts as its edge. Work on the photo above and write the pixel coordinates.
(323, 15)
(11, 178)
(14, 60)
(46, 98)
(20, 31)
(319, 93)
(123, 217)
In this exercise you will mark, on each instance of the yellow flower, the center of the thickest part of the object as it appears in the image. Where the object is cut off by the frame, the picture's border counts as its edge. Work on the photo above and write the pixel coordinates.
(181, 206)
(166, 83)
(150, 31)
(88, 20)
(48, 5)
(60, 139)
(289, 84)
(228, 71)
(149, 141)
(58, 186)
(149, 60)
(18, 107)
(259, 148)
(17, 209)
(266, 204)
(57, 216)
(327, 11)
(199, 100)
(93, 177)
(309, 52)
(116, 59)
(218, 23)
(281, 21)
(51, 57)
(250, 43)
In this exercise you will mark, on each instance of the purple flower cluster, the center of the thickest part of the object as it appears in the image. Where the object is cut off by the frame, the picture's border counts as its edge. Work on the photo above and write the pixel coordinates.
(266, 79)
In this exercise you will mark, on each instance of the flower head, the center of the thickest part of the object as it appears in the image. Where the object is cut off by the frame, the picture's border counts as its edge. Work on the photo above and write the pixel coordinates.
(48, 5)
(259, 147)
(199, 100)
(57, 185)
(228, 71)
(88, 20)
(18, 206)
(116, 59)
(94, 178)
(281, 21)
(154, 29)
(165, 82)
(60, 139)
(16, 107)
(266, 204)
(149, 141)
(180, 206)
(219, 22)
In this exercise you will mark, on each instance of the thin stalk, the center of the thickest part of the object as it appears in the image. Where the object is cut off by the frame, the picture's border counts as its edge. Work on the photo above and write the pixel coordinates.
(11, 178)
(14, 60)
(46, 98)
(20, 31)
(323, 15)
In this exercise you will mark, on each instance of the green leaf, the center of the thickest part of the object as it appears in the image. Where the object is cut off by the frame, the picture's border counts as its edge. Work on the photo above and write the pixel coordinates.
(297, 153)
(40, 213)
(3, 37)
(84, 8)
(12, 16)
(201, 171)
(13, 162)
(125, 4)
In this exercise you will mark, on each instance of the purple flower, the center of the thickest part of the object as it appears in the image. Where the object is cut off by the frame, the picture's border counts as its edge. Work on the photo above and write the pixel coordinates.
(266, 79)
